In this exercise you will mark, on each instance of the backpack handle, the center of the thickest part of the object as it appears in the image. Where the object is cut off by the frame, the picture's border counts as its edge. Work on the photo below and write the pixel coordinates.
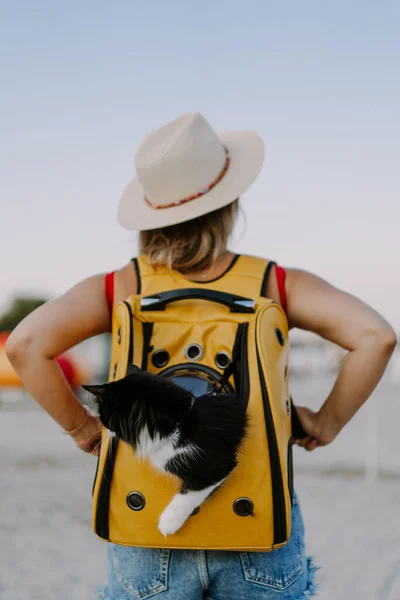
(159, 301)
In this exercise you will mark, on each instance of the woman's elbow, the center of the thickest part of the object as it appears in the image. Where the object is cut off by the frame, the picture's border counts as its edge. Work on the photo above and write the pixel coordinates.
(17, 347)
(389, 339)
(384, 339)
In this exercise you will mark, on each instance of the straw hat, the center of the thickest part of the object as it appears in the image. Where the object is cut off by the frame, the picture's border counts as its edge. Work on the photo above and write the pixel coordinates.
(185, 170)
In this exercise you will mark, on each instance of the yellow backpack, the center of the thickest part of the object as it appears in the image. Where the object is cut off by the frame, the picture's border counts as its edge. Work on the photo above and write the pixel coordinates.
(183, 329)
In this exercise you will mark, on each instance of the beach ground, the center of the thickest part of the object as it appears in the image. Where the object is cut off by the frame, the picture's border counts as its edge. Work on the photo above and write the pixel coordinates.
(49, 552)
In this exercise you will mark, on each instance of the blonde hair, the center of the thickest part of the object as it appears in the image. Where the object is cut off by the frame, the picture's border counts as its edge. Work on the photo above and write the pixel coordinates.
(191, 245)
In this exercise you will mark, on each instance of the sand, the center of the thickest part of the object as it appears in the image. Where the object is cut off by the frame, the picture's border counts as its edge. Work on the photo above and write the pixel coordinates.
(48, 551)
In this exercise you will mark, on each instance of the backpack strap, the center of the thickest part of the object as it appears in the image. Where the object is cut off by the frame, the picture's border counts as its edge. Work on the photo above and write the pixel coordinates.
(109, 284)
(251, 270)
(280, 279)
(135, 262)
(153, 280)
(246, 273)
(265, 280)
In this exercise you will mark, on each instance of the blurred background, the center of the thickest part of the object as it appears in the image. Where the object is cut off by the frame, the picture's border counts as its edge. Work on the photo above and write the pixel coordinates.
(82, 84)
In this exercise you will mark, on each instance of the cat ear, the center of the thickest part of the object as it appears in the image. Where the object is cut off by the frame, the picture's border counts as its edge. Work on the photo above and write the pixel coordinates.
(133, 369)
(99, 391)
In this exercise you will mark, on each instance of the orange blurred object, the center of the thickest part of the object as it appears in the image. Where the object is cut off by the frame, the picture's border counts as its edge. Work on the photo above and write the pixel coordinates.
(74, 373)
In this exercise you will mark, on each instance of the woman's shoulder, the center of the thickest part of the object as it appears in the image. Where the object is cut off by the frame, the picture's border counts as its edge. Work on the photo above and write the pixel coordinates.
(121, 283)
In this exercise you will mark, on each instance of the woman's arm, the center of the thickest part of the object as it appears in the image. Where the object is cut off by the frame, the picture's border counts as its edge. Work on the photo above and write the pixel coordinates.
(315, 305)
(48, 332)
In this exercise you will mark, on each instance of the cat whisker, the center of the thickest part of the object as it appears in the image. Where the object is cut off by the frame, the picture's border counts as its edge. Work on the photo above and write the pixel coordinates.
(90, 438)
(110, 450)
(96, 446)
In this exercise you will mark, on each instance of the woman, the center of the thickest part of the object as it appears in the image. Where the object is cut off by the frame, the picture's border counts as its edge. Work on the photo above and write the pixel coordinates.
(184, 202)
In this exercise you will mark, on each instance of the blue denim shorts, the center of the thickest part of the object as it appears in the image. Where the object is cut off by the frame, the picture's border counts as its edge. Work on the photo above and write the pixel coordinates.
(143, 573)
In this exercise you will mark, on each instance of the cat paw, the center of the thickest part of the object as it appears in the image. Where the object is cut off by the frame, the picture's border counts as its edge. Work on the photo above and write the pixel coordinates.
(169, 523)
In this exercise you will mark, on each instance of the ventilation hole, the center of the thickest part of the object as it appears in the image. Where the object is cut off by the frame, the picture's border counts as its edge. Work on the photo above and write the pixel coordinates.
(119, 335)
(222, 360)
(280, 336)
(193, 352)
(243, 507)
(135, 501)
(287, 406)
(286, 372)
(115, 370)
(195, 511)
(160, 358)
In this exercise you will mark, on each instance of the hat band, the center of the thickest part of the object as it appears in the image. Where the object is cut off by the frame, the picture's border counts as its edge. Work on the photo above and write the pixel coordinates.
(194, 196)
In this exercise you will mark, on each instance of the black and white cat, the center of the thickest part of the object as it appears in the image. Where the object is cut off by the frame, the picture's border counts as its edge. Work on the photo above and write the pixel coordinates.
(197, 440)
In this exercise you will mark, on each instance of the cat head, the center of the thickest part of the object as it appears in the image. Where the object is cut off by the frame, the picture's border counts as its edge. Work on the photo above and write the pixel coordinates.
(141, 401)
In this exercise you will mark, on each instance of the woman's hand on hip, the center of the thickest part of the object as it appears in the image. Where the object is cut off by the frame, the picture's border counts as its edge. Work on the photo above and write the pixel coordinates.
(318, 434)
(315, 305)
(88, 437)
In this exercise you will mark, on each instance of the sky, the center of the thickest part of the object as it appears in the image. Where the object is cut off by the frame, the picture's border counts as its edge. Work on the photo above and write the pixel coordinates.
(82, 82)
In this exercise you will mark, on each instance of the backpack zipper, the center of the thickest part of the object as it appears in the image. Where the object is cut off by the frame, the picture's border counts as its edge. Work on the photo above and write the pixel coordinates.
(278, 496)
(243, 383)
(103, 499)
(290, 468)
(97, 469)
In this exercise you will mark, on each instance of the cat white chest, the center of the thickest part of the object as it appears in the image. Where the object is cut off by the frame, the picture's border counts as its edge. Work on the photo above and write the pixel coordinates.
(158, 450)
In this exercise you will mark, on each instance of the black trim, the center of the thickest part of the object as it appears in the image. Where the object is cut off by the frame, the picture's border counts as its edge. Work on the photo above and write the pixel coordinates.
(130, 351)
(266, 278)
(231, 265)
(147, 330)
(279, 336)
(139, 279)
(238, 366)
(97, 469)
(278, 495)
(159, 301)
(297, 428)
(239, 358)
(290, 468)
(103, 499)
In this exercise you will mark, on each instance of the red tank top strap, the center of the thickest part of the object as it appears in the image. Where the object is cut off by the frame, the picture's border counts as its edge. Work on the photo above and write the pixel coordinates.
(280, 278)
(109, 289)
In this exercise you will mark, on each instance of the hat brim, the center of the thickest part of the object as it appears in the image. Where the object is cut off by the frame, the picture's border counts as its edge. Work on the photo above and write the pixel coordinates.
(246, 150)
